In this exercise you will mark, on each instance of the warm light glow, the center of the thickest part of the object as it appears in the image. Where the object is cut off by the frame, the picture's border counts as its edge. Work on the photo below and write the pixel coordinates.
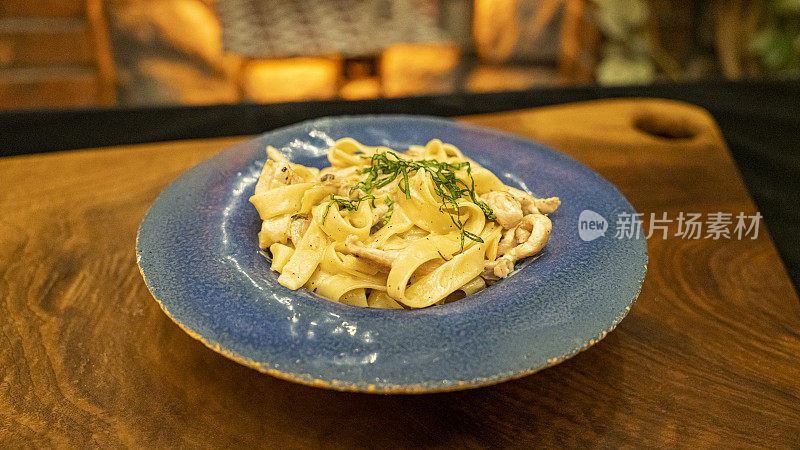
(361, 88)
(294, 79)
(410, 69)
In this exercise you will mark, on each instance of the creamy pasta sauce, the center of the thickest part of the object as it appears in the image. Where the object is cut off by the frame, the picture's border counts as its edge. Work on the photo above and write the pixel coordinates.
(389, 229)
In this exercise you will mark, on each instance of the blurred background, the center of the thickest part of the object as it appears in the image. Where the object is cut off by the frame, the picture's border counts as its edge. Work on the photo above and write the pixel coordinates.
(87, 53)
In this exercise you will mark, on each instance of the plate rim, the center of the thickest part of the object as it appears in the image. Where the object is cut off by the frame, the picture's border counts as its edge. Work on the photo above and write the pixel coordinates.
(387, 388)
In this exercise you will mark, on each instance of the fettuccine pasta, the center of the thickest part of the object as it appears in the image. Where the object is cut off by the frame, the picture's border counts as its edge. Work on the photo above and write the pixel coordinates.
(385, 229)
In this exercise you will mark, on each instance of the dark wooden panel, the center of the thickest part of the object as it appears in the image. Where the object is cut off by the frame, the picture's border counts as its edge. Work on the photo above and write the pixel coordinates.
(708, 356)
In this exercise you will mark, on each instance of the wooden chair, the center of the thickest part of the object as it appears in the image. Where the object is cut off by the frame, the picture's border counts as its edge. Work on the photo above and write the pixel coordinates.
(498, 30)
(55, 54)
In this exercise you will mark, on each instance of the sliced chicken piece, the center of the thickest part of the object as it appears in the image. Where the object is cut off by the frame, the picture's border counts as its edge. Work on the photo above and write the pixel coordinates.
(357, 248)
(276, 172)
(507, 208)
(547, 205)
(538, 228)
(521, 234)
(500, 268)
(532, 205)
(298, 225)
(528, 204)
(507, 242)
(526, 239)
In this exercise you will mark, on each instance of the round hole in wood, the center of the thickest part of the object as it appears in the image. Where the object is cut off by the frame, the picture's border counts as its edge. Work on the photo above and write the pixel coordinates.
(666, 126)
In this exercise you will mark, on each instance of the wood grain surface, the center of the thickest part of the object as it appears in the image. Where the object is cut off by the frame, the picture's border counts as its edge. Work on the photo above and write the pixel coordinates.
(707, 357)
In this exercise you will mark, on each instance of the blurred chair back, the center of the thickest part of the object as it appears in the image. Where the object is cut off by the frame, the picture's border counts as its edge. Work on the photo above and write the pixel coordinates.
(54, 54)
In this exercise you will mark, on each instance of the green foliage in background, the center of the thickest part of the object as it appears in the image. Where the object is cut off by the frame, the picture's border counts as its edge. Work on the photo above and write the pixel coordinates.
(777, 43)
(626, 56)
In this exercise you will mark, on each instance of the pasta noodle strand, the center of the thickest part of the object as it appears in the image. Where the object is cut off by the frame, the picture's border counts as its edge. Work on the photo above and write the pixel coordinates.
(385, 229)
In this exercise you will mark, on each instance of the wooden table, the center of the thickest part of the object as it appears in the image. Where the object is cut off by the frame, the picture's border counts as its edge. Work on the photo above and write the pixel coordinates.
(709, 355)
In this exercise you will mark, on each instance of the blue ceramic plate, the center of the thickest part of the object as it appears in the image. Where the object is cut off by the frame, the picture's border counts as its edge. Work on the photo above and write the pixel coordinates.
(197, 251)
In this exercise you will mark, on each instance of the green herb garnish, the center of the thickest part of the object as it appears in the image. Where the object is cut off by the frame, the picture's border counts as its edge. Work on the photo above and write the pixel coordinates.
(350, 205)
(388, 201)
(389, 166)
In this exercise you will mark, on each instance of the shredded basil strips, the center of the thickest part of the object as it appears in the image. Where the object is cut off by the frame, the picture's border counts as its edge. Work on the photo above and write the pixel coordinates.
(389, 166)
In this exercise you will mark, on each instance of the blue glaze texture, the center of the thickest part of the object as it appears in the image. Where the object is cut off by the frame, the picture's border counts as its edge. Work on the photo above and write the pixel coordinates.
(197, 249)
